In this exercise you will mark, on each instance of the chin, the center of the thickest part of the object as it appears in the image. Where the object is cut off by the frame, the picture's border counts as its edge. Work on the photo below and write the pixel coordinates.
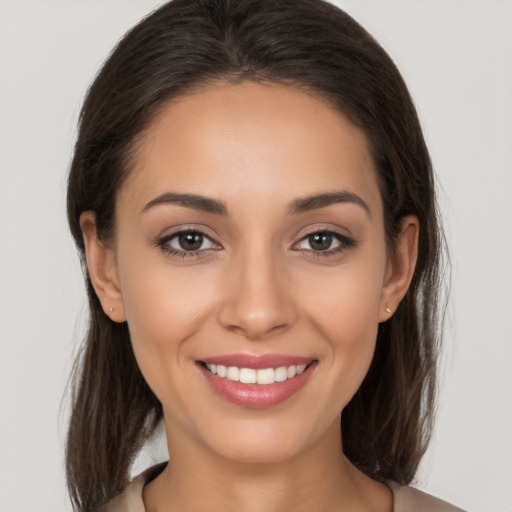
(258, 451)
(266, 441)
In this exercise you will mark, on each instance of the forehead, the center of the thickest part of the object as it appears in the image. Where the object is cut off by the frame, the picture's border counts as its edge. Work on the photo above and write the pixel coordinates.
(250, 139)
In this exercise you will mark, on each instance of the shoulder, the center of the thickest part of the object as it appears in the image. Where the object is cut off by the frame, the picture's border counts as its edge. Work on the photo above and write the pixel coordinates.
(405, 498)
(131, 498)
(409, 499)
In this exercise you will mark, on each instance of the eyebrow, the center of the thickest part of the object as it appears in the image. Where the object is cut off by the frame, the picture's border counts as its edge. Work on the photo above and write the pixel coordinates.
(194, 201)
(300, 205)
(305, 204)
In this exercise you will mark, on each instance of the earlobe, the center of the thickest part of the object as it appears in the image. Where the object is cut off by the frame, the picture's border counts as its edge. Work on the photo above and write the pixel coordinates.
(400, 268)
(102, 269)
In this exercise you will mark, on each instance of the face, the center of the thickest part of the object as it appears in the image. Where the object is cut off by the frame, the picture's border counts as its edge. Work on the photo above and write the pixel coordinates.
(251, 266)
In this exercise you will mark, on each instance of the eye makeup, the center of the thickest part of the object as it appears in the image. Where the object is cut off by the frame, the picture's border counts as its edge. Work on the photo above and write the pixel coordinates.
(193, 242)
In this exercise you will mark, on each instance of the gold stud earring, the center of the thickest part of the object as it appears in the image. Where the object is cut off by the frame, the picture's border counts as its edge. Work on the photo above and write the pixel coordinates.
(112, 309)
(388, 310)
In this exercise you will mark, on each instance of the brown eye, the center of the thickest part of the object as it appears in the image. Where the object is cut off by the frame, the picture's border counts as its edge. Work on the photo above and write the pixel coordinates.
(327, 242)
(320, 241)
(187, 243)
(190, 241)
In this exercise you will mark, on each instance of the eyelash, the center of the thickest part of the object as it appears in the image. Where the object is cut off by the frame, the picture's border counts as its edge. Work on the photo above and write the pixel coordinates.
(345, 243)
(163, 244)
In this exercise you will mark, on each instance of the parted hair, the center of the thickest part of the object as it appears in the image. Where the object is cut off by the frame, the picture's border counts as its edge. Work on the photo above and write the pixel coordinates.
(312, 45)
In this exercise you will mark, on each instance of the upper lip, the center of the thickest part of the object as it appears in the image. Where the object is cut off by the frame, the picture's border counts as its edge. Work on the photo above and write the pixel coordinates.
(257, 362)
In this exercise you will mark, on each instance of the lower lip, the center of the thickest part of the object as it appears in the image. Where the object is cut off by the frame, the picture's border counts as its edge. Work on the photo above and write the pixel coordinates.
(257, 396)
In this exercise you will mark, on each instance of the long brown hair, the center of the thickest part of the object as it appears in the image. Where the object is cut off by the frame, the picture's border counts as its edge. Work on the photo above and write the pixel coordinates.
(303, 43)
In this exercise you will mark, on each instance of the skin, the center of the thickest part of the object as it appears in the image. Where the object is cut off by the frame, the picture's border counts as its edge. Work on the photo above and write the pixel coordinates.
(256, 286)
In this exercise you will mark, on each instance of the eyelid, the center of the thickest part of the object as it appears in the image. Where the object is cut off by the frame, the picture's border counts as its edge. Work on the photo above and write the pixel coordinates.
(162, 242)
(346, 242)
(176, 236)
(321, 227)
(187, 228)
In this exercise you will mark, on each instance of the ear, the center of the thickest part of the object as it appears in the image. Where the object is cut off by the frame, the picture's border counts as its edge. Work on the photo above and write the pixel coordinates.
(102, 269)
(400, 267)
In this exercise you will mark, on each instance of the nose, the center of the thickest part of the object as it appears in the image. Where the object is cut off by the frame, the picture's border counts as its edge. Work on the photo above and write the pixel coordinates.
(258, 301)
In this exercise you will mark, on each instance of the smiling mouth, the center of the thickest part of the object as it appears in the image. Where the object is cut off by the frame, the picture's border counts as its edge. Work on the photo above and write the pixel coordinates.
(257, 382)
(263, 376)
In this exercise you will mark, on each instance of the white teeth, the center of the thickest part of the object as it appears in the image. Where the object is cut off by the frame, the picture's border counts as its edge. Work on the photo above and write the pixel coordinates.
(301, 368)
(281, 374)
(291, 371)
(266, 376)
(233, 373)
(252, 376)
(247, 375)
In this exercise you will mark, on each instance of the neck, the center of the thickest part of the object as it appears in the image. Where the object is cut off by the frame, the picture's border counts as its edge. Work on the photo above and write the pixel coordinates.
(319, 478)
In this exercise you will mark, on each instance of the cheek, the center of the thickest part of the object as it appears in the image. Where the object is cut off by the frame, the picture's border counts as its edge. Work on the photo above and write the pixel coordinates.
(346, 301)
(165, 308)
(346, 313)
(161, 298)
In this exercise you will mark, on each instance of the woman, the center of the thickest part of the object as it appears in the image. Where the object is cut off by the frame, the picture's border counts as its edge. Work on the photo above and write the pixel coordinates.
(253, 199)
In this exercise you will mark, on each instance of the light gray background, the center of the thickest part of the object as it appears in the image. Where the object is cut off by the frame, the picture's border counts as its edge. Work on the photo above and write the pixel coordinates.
(456, 56)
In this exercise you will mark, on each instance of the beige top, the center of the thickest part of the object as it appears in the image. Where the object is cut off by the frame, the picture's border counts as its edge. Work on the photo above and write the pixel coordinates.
(405, 499)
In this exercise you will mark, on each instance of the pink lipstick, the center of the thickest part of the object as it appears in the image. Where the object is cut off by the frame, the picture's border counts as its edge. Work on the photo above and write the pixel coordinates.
(257, 381)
